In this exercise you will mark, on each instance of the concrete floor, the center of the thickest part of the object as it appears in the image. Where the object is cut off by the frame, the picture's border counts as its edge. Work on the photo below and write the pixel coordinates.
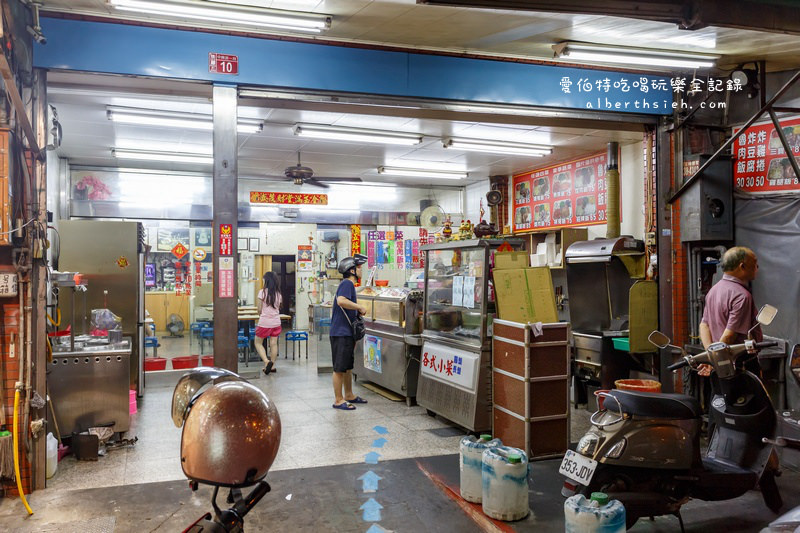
(315, 478)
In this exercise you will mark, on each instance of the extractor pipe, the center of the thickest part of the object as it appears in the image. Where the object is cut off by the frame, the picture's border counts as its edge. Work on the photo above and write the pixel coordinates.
(612, 191)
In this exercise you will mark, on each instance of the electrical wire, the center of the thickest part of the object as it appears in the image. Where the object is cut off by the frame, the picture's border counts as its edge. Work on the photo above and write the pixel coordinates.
(19, 228)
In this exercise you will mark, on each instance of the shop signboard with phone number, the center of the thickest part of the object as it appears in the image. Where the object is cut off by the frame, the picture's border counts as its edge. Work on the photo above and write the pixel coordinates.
(759, 160)
(567, 194)
(452, 366)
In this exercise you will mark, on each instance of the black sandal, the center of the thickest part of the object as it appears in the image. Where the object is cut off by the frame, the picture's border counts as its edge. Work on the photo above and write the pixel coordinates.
(267, 369)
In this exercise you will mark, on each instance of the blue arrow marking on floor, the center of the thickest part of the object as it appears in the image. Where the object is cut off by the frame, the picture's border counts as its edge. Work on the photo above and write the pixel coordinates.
(378, 443)
(380, 430)
(375, 528)
(372, 458)
(370, 481)
(372, 511)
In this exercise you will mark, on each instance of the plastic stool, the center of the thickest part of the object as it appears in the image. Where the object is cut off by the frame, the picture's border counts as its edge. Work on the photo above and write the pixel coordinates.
(206, 334)
(152, 342)
(243, 346)
(294, 336)
(324, 323)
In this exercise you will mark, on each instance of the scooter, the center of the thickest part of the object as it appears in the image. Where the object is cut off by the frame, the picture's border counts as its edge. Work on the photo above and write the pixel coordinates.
(644, 448)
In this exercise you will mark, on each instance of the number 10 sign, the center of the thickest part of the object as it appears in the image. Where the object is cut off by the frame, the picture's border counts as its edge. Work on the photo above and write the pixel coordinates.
(223, 63)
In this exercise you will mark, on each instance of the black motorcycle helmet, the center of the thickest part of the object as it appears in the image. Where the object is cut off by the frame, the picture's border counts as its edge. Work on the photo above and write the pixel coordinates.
(348, 264)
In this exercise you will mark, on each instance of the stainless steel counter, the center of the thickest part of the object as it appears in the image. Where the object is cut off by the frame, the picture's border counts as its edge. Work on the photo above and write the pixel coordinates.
(89, 387)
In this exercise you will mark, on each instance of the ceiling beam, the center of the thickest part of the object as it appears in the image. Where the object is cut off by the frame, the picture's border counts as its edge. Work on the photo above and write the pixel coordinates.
(772, 16)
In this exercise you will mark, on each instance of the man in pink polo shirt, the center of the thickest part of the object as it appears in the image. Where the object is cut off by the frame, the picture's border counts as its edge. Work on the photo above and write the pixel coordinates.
(730, 311)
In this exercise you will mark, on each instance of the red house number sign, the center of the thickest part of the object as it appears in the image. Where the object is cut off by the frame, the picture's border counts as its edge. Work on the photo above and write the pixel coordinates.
(223, 63)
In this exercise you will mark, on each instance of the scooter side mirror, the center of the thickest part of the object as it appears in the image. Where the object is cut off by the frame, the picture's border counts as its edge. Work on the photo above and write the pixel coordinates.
(766, 315)
(658, 339)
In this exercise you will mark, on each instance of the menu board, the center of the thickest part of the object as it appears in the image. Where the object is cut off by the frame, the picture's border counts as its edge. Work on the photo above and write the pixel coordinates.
(567, 194)
(760, 162)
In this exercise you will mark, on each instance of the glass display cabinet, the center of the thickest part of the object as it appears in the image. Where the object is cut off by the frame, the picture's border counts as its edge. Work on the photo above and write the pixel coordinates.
(389, 353)
(455, 362)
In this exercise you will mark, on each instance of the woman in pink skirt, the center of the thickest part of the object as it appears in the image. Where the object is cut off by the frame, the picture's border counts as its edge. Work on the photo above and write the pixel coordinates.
(269, 321)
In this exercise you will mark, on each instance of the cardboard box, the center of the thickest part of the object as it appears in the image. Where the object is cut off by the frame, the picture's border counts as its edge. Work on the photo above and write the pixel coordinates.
(525, 295)
(508, 260)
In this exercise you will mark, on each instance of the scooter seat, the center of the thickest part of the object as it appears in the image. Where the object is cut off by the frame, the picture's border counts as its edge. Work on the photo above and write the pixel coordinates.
(650, 404)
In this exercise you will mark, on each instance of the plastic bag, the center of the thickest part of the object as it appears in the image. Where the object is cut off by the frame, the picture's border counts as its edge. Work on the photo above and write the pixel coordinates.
(104, 319)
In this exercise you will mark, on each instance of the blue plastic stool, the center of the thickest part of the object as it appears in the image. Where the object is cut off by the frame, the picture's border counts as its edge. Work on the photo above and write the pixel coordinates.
(151, 342)
(294, 336)
(323, 323)
(243, 346)
(206, 334)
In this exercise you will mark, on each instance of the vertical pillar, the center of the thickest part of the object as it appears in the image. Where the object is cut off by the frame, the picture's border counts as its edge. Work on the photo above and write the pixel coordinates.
(39, 277)
(664, 239)
(225, 218)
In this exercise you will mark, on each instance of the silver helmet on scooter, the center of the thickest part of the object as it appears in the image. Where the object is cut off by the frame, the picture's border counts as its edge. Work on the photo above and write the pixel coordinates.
(231, 431)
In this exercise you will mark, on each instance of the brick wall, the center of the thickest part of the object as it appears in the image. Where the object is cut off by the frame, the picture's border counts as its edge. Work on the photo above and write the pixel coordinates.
(9, 333)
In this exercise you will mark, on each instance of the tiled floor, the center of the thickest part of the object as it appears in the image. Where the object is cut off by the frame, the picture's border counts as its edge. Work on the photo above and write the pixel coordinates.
(314, 434)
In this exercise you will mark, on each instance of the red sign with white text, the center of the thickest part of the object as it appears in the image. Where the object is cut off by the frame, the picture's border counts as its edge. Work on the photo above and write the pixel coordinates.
(223, 63)
(225, 239)
(568, 194)
(759, 160)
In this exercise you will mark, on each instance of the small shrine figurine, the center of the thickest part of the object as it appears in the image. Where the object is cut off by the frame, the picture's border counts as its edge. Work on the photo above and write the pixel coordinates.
(484, 229)
(447, 231)
(465, 230)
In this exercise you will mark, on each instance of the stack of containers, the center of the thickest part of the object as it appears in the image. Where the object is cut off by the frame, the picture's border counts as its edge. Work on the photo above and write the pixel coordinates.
(132, 401)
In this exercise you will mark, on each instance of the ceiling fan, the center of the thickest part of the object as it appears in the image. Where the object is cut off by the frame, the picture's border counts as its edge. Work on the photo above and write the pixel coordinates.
(300, 175)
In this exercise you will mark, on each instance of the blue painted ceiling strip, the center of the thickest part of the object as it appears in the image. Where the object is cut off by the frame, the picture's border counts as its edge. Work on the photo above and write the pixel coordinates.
(179, 54)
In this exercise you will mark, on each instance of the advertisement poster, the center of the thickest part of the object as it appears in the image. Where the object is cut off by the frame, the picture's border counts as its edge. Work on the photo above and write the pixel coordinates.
(759, 160)
(372, 353)
(568, 194)
(305, 257)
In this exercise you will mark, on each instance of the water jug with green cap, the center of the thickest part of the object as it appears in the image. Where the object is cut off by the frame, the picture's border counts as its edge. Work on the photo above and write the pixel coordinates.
(505, 483)
(598, 514)
(471, 453)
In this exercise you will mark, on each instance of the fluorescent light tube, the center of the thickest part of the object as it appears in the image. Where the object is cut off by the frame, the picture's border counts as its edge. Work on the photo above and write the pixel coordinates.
(498, 147)
(175, 119)
(336, 133)
(173, 157)
(632, 56)
(423, 173)
(228, 13)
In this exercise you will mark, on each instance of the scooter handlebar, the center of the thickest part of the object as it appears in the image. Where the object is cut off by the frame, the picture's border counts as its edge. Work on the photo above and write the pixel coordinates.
(680, 364)
(766, 344)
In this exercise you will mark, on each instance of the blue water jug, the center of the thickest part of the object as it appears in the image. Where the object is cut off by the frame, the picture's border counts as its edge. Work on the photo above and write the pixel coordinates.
(596, 515)
(471, 454)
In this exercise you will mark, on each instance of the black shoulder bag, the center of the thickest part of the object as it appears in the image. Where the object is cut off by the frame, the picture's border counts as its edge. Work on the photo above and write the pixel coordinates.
(357, 325)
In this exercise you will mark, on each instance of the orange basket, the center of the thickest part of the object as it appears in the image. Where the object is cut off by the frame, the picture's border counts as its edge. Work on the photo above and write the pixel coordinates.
(639, 385)
(381, 282)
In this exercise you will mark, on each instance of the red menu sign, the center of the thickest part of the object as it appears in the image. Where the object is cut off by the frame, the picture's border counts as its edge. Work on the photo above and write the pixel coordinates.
(760, 162)
(568, 194)
(225, 239)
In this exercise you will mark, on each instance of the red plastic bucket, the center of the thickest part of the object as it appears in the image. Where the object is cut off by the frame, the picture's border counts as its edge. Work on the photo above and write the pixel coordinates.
(600, 398)
(186, 361)
(638, 385)
(154, 363)
(207, 360)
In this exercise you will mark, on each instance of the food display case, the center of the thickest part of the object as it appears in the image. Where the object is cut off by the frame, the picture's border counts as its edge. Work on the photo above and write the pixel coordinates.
(455, 367)
(389, 353)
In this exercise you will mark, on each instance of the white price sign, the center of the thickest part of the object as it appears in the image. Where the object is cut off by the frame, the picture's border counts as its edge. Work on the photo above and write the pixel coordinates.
(455, 367)
(8, 284)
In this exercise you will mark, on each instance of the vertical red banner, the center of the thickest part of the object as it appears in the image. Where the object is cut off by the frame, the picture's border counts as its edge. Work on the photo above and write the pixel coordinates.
(225, 239)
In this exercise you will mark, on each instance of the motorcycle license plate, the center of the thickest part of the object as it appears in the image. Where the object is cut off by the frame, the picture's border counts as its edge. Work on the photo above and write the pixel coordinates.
(577, 467)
